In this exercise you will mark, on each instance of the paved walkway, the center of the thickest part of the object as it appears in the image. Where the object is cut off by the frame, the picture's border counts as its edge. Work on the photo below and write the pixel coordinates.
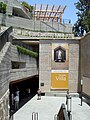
(48, 106)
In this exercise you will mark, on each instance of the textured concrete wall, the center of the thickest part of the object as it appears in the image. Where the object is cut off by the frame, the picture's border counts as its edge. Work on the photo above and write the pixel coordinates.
(85, 63)
(73, 67)
(4, 36)
(45, 66)
(45, 52)
(33, 25)
(5, 66)
(1, 16)
(11, 2)
(23, 33)
(4, 106)
(68, 28)
(30, 65)
(7, 54)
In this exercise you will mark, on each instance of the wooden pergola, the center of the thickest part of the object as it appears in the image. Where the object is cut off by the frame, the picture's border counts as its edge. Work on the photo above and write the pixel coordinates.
(49, 13)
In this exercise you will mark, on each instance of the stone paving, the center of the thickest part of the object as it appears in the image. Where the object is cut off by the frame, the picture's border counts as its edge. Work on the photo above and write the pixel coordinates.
(48, 106)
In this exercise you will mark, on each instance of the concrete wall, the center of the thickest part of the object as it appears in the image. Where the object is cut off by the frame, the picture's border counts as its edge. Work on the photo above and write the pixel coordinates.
(5, 66)
(85, 63)
(45, 65)
(33, 25)
(11, 3)
(73, 67)
(45, 56)
(7, 74)
(4, 36)
(23, 33)
(4, 106)
(30, 65)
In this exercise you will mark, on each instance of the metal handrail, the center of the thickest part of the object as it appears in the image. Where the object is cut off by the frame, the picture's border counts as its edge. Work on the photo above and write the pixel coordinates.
(35, 116)
(62, 114)
(56, 117)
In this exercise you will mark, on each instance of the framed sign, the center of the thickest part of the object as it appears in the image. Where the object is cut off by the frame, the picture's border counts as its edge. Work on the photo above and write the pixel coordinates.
(60, 64)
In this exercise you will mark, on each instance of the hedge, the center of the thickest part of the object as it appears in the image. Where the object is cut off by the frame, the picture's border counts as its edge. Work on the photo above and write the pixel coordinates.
(26, 51)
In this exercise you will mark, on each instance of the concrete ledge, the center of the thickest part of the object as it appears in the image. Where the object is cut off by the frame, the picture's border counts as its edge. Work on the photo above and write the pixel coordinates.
(61, 94)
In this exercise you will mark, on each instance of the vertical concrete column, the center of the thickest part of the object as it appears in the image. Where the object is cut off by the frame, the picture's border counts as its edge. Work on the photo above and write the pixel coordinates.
(9, 8)
(73, 67)
(45, 65)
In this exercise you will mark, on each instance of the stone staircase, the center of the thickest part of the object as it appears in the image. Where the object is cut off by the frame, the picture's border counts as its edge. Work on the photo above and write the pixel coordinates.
(4, 35)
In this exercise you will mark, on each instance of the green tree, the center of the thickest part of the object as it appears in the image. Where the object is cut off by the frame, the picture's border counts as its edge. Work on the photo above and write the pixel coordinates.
(83, 22)
(3, 7)
(25, 4)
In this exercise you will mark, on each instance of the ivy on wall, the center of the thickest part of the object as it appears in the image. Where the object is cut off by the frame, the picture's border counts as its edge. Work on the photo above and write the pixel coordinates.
(2, 7)
(26, 51)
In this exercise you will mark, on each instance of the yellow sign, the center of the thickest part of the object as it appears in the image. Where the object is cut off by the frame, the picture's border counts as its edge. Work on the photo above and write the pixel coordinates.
(59, 80)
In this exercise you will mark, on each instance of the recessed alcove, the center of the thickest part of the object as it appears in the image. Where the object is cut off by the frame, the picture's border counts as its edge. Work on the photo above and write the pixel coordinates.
(59, 54)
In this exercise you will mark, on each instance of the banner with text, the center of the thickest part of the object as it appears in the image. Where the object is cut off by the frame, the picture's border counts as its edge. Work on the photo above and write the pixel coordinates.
(60, 60)
(59, 80)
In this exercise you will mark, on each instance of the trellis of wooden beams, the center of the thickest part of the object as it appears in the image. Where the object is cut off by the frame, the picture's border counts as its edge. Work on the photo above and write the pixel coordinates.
(49, 14)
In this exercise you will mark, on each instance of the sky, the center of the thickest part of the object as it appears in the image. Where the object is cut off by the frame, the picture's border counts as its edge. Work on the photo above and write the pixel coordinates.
(70, 11)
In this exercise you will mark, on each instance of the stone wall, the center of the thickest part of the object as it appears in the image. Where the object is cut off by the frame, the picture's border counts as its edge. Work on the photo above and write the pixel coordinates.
(45, 55)
(85, 63)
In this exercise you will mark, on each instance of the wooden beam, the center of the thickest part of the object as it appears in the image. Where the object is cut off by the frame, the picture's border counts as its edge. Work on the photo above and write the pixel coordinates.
(45, 11)
(47, 16)
(64, 8)
(40, 9)
(60, 11)
(34, 9)
(56, 11)
(60, 18)
(51, 12)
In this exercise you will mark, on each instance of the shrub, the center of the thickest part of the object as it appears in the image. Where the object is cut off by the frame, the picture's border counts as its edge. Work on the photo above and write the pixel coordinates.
(26, 51)
(3, 7)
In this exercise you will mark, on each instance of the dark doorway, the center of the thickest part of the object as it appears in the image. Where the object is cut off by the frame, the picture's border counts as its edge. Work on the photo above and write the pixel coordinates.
(23, 86)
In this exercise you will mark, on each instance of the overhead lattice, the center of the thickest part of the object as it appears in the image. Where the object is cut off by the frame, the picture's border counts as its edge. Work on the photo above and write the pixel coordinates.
(49, 13)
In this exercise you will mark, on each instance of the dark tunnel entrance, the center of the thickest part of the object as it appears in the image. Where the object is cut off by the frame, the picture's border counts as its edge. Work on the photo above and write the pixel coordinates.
(23, 88)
